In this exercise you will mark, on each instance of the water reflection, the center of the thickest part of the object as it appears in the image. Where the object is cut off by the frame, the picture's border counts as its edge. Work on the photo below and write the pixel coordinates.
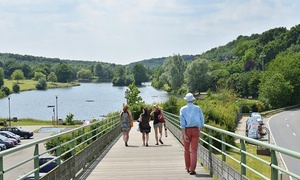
(86, 102)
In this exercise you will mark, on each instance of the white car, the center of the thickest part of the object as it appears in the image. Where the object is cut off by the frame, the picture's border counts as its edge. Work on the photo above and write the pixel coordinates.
(258, 117)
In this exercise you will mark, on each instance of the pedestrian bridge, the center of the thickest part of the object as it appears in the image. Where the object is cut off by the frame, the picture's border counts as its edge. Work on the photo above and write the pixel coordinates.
(97, 151)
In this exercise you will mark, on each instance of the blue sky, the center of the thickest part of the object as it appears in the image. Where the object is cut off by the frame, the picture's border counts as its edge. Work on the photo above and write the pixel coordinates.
(125, 31)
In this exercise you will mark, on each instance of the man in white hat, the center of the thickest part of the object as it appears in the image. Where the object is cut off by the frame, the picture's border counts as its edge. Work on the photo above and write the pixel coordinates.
(191, 122)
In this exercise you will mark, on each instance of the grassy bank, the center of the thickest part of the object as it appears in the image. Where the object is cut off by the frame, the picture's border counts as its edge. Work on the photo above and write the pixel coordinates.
(27, 85)
(27, 122)
(265, 169)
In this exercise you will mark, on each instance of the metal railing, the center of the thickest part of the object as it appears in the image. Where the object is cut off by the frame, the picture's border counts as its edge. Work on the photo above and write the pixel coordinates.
(207, 153)
(80, 146)
(76, 147)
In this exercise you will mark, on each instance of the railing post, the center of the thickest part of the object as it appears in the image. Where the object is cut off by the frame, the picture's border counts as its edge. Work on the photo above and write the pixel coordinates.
(1, 168)
(211, 172)
(243, 158)
(223, 148)
(58, 151)
(73, 144)
(82, 138)
(274, 172)
(36, 160)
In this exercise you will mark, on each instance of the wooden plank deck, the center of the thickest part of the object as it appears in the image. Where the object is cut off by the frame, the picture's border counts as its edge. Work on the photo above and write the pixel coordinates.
(140, 162)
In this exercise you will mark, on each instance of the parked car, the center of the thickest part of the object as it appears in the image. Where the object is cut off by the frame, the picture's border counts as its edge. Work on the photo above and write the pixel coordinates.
(31, 176)
(51, 163)
(258, 117)
(15, 142)
(18, 131)
(2, 147)
(6, 141)
(11, 135)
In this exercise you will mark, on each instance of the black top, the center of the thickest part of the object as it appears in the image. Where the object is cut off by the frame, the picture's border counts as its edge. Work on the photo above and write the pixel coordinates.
(144, 124)
(156, 113)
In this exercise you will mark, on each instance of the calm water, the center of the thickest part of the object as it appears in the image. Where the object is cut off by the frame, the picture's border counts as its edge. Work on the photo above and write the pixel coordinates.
(88, 101)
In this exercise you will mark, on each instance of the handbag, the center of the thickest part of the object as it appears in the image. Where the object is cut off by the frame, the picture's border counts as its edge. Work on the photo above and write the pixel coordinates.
(161, 118)
(131, 123)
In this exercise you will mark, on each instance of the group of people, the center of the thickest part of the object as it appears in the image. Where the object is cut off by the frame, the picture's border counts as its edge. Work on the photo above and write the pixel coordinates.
(144, 124)
(191, 122)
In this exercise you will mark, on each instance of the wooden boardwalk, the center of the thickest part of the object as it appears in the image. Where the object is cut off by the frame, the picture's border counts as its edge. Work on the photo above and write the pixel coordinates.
(140, 162)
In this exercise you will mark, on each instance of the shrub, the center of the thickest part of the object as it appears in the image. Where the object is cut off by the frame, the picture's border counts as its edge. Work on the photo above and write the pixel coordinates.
(5, 90)
(41, 84)
(16, 87)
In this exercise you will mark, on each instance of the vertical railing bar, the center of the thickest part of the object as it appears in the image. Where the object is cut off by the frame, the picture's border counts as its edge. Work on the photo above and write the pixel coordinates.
(274, 172)
(243, 158)
(36, 161)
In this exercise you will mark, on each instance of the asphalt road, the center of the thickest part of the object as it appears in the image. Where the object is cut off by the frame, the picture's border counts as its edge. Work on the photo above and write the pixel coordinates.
(24, 154)
(285, 128)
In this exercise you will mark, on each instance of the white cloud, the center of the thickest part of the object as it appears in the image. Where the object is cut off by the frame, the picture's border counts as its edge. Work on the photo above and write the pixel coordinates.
(132, 30)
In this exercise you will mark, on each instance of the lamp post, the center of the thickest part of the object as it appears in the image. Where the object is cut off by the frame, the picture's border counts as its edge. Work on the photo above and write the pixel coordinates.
(53, 118)
(56, 109)
(262, 61)
(9, 110)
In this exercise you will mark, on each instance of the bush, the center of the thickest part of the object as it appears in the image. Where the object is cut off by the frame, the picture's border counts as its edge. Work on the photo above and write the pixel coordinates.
(171, 105)
(41, 84)
(5, 90)
(16, 87)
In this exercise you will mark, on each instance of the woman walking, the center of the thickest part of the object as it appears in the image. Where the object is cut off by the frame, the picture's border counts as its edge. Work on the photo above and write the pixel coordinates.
(145, 126)
(125, 118)
(157, 124)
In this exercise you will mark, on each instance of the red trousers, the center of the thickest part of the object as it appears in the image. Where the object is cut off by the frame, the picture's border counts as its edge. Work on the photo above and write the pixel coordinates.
(191, 148)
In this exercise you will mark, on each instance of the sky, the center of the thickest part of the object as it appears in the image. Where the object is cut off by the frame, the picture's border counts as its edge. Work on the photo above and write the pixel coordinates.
(126, 31)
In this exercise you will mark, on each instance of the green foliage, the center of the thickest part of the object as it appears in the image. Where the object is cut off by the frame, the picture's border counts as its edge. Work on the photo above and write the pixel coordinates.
(1, 77)
(41, 84)
(64, 72)
(276, 91)
(171, 105)
(5, 90)
(132, 95)
(18, 75)
(52, 77)
(140, 74)
(197, 76)
(38, 75)
(69, 119)
(84, 74)
(16, 87)
(99, 128)
(218, 135)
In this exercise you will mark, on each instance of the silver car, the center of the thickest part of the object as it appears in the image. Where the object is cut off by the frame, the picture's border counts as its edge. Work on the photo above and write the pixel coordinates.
(9, 134)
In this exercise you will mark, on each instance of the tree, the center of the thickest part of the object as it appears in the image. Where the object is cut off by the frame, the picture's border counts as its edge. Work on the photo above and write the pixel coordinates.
(174, 68)
(41, 84)
(98, 70)
(9, 67)
(26, 70)
(63, 72)
(84, 74)
(1, 77)
(18, 75)
(132, 95)
(38, 75)
(276, 91)
(16, 87)
(197, 76)
(140, 74)
(52, 77)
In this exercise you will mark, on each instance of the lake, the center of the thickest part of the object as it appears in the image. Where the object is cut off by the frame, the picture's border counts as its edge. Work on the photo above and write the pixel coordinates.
(85, 102)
